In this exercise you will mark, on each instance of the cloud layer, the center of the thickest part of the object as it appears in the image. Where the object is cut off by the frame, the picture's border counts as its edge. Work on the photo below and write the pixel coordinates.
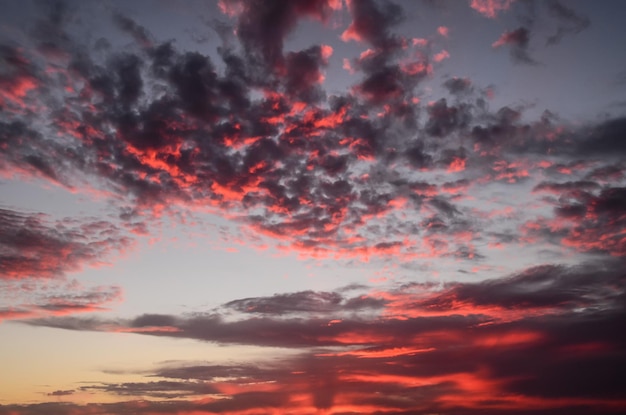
(547, 337)
(406, 165)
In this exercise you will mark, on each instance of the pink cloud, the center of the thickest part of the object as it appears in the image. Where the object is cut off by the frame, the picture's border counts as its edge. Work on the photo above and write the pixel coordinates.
(440, 56)
(490, 8)
(459, 344)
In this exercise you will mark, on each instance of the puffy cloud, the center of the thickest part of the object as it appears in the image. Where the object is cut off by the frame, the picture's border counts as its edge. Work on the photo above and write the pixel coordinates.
(266, 145)
(138, 32)
(303, 302)
(587, 220)
(374, 171)
(458, 85)
(371, 22)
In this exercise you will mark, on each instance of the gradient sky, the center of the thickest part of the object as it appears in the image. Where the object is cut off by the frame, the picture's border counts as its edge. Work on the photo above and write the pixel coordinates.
(312, 207)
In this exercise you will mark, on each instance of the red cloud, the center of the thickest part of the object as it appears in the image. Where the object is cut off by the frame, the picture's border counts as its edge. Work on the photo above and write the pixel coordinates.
(517, 37)
(57, 300)
(35, 247)
(490, 8)
(447, 349)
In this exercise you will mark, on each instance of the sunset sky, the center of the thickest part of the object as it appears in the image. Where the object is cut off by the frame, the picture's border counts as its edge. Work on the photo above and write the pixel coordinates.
(312, 207)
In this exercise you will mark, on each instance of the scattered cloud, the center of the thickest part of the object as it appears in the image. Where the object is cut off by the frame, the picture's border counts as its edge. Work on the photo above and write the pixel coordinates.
(384, 170)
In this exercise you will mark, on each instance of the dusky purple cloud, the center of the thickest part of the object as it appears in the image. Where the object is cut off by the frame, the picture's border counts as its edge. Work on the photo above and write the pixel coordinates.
(431, 345)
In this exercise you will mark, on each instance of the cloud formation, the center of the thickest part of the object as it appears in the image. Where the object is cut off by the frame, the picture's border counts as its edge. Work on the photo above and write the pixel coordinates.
(259, 139)
(407, 166)
(430, 348)
(33, 246)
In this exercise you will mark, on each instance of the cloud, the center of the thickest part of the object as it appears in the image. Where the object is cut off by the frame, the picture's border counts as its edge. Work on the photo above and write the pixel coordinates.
(586, 221)
(17, 80)
(66, 392)
(251, 134)
(303, 302)
(163, 389)
(458, 85)
(33, 246)
(549, 290)
(444, 119)
(38, 253)
(254, 18)
(374, 172)
(567, 187)
(517, 40)
(490, 8)
(139, 33)
(569, 21)
(32, 298)
(604, 139)
(371, 22)
(447, 348)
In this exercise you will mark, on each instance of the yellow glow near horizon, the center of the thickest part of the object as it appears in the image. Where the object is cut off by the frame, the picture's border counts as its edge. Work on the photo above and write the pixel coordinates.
(67, 360)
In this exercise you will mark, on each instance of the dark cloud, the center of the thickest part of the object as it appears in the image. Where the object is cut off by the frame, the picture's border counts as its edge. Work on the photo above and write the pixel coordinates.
(17, 79)
(587, 221)
(251, 133)
(252, 129)
(138, 32)
(548, 334)
(371, 22)
(31, 245)
(605, 139)
(292, 156)
(568, 21)
(541, 287)
(559, 188)
(49, 31)
(518, 41)
(303, 75)
(32, 298)
(548, 289)
(163, 389)
(610, 173)
(62, 392)
(458, 86)
(444, 207)
(444, 119)
(262, 26)
(303, 302)
(418, 157)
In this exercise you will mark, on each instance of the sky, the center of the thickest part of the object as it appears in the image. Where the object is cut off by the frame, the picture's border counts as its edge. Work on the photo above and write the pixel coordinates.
(312, 207)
